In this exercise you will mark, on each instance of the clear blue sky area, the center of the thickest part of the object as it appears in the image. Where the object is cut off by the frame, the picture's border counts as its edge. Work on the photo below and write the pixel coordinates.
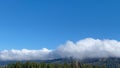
(34, 24)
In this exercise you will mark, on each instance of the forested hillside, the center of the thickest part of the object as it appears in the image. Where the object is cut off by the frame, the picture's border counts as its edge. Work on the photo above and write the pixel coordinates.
(51, 65)
(64, 63)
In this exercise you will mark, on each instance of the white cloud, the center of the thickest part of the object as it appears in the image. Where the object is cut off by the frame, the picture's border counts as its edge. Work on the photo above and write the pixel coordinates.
(84, 48)
(24, 54)
(91, 48)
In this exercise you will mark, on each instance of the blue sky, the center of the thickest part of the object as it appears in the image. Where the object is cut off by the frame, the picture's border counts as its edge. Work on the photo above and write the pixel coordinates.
(35, 24)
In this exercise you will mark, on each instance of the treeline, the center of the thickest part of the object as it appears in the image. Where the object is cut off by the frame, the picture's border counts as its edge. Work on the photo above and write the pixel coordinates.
(51, 65)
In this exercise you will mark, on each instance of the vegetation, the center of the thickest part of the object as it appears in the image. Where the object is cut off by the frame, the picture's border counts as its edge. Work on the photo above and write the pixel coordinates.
(51, 65)
(64, 63)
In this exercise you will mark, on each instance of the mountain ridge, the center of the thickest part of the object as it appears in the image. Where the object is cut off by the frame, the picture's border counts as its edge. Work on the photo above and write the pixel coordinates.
(70, 60)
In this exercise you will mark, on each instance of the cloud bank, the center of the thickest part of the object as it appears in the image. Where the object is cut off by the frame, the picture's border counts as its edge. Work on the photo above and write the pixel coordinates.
(85, 48)
(24, 54)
